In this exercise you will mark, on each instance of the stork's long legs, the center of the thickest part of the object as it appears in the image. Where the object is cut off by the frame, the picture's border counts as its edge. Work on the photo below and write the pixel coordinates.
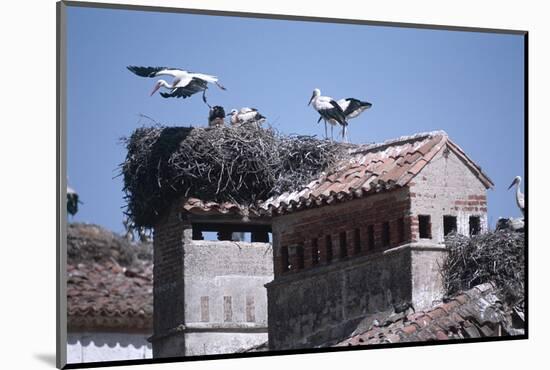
(326, 132)
(204, 98)
(332, 132)
(344, 134)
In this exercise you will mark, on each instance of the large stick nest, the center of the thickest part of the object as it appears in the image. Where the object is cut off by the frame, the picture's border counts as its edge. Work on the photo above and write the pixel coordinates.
(497, 257)
(244, 164)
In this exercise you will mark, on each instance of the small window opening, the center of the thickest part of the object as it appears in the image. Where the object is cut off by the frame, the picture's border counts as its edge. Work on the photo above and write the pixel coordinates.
(343, 245)
(449, 225)
(299, 257)
(370, 236)
(197, 234)
(284, 259)
(475, 225)
(386, 234)
(424, 227)
(357, 241)
(328, 246)
(314, 251)
(401, 230)
(260, 237)
(227, 309)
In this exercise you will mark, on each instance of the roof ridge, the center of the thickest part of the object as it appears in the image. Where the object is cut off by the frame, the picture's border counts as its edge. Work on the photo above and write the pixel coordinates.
(364, 148)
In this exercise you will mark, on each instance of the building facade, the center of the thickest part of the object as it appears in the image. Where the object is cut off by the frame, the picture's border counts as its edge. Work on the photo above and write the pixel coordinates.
(209, 295)
(368, 237)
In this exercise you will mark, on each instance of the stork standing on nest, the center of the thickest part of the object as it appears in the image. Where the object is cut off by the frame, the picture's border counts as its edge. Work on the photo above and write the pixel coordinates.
(520, 199)
(352, 109)
(329, 110)
(245, 115)
(184, 83)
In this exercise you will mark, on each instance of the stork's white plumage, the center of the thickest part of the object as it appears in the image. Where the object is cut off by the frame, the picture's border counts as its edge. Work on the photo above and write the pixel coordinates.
(184, 83)
(352, 109)
(245, 115)
(520, 199)
(329, 110)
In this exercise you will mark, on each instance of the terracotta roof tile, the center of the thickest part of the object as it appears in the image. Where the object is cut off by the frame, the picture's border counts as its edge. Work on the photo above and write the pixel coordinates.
(382, 166)
(110, 296)
(367, 168)
(464, 316)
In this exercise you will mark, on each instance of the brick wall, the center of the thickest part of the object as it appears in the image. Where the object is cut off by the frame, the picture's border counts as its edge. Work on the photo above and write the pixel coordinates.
(296, 234)
(447, 187)
(168, 285)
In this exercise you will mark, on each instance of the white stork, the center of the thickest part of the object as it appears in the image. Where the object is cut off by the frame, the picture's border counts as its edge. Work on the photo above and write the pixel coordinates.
(520, 200)
(352, 109)
(245, 115)
(183, 85)
(329, 110)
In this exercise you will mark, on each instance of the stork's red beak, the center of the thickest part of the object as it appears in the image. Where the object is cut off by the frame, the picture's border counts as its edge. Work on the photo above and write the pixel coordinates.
(157, 86)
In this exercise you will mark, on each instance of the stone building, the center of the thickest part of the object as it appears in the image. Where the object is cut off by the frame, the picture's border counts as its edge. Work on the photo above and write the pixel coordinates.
(367, 238)
(209, 295)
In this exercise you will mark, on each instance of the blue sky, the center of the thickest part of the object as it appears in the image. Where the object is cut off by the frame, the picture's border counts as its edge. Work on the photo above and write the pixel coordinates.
(468, 84)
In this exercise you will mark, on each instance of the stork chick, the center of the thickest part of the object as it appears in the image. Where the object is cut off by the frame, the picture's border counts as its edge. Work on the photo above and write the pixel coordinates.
(245, 116)
(216, 116)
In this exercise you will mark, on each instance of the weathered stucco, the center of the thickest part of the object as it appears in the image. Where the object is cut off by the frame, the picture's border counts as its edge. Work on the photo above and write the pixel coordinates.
(107, 346)
(225, 297)
(325, 304)
(211, 293)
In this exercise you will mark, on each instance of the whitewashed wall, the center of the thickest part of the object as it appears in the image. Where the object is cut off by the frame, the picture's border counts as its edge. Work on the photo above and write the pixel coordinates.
(105, 346)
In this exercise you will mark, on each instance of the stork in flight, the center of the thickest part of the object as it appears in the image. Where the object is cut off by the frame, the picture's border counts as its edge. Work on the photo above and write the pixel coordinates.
(352, 109)
(329, 110)
(184, 83)
(519, 195)
(245, 115)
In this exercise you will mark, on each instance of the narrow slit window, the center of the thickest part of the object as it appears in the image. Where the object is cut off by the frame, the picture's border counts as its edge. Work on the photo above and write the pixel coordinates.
(205, 311)
(449, 225)
(299, 257)
(357, 241)
(401, 230)
(227, 309)
(424, 227)
(328, 246)
(386, 234)
(370, 236)
(314, 251)
(343, 245)
(250, 309)
(475, 225)
(284, 259)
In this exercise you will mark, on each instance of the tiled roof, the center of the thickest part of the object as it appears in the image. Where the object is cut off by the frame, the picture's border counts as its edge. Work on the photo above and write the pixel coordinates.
(370, 169)
(198, 206)
(107, 295)
(475, 313)
(109, 280)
